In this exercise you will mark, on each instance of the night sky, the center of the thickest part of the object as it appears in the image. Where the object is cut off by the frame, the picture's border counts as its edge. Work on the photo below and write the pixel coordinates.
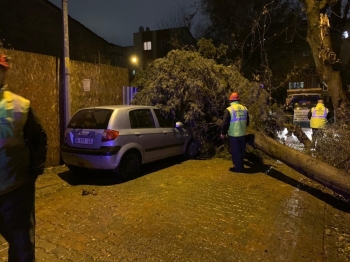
(117, 20)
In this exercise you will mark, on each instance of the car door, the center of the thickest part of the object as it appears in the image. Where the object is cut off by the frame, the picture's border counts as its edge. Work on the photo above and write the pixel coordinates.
(174, 138)
(144, 132)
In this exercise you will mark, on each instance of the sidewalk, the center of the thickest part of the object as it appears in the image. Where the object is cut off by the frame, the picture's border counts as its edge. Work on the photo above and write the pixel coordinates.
(189, 211)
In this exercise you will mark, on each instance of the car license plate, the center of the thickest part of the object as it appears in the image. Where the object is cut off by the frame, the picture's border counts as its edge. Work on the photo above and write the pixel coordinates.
(85, 141)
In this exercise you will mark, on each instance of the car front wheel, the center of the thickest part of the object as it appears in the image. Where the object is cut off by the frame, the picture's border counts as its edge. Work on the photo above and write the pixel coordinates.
(130, 166)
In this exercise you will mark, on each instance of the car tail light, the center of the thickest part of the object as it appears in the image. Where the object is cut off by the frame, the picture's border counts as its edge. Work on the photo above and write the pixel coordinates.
(109, 135)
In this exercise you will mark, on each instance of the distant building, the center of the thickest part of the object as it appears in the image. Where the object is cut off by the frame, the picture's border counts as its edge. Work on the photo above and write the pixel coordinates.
(35, 26)
(150, 45)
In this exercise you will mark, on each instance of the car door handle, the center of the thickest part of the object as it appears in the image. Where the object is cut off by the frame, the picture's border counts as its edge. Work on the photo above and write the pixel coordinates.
(137, 134)
(165, 132)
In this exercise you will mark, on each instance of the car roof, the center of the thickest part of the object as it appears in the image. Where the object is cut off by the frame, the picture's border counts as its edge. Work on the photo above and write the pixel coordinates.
(113, 107)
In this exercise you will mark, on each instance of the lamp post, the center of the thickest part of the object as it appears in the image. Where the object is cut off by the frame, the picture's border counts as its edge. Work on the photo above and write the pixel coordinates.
(66, 66)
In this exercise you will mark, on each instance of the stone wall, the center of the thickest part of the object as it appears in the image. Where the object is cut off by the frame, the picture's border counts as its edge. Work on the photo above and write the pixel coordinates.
(36, 77)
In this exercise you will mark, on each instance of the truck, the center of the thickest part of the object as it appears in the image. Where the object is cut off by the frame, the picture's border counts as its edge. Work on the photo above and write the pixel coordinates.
(299, 102)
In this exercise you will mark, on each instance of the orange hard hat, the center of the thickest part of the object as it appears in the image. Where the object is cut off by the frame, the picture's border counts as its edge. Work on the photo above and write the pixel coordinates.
(234, 96)
(4, 61)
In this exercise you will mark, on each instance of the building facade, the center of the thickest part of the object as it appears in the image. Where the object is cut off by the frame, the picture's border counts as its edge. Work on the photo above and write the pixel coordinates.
(150, 45)
(35, 26)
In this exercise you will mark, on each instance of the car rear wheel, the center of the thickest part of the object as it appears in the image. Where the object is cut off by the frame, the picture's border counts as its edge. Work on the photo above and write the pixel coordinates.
(130, 166)
(192, 149)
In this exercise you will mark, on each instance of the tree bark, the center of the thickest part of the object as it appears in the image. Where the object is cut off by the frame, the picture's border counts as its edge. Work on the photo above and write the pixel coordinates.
(299, 133)
(327, 175)
(319, 39)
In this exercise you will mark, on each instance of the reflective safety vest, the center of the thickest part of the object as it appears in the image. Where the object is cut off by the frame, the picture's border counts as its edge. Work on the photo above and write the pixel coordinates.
(318, 116)
(14, 153)
(238, 123)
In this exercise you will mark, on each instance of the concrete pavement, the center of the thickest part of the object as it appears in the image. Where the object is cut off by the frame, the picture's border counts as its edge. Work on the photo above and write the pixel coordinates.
(195, 210)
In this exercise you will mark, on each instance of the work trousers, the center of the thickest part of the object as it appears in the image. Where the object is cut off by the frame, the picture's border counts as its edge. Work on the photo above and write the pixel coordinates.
(237, 149)
(316, 134)
(17, 222)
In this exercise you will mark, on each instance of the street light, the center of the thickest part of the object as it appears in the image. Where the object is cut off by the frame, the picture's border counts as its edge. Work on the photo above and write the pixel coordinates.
(134, 60)
(135, 64)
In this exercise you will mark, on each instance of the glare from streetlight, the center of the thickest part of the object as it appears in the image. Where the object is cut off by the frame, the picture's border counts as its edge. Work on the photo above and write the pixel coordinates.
(134, 60)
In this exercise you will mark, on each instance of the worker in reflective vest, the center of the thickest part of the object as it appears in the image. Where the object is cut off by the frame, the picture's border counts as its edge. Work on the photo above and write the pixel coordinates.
(318, 116)
(22, 158)
(235, 122)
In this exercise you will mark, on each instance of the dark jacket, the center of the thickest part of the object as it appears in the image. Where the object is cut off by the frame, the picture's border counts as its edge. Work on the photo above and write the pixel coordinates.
(36, 139)
(23, 142)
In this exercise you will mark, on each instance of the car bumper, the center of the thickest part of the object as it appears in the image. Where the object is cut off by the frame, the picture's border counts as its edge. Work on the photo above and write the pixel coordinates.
(104, 158)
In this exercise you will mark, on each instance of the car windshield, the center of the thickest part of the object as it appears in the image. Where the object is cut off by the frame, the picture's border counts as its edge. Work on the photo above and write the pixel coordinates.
(91, 118)
(305, 100)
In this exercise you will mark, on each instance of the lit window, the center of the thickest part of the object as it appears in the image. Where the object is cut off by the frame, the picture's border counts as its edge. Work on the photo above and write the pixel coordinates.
(147, 45)
(345, 34)
(296, 85)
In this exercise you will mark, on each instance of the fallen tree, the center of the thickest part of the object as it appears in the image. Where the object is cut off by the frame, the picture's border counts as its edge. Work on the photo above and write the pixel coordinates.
(327, 175)
(189, 88)
(299, 133)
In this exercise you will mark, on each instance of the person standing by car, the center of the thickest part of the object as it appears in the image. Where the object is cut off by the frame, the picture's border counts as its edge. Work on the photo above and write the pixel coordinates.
(23, 145)
(235, 122)
(318, 116)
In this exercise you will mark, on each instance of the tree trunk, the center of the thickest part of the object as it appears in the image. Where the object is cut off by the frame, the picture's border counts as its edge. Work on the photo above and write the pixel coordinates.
(327, 175)
(326, 60)
(299, 133)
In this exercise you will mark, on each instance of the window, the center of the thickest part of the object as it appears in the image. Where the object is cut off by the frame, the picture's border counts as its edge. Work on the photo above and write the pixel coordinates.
(141, 118)
(161, 119)
(147, 45)
(295, 85)
(307, 100)
(91, 118)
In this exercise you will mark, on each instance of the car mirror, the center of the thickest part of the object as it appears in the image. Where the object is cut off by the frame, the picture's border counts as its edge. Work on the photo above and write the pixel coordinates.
(179, 124)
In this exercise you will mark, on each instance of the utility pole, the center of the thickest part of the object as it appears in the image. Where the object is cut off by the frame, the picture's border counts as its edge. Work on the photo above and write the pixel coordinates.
(66, 66)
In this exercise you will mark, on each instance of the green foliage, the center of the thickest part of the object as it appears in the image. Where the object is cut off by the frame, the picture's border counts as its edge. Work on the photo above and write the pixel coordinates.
(208, 50)
(333, 144)
(195, 90)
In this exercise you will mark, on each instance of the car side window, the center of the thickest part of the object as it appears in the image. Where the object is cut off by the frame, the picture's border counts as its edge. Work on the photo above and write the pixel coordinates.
(141, 118)
(161, 119)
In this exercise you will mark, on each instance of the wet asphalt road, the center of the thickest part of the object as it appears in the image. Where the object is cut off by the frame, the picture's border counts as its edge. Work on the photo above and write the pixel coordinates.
(195, 210)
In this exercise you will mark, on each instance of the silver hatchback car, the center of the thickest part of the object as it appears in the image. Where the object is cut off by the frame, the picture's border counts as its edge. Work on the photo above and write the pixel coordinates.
(121, 138)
